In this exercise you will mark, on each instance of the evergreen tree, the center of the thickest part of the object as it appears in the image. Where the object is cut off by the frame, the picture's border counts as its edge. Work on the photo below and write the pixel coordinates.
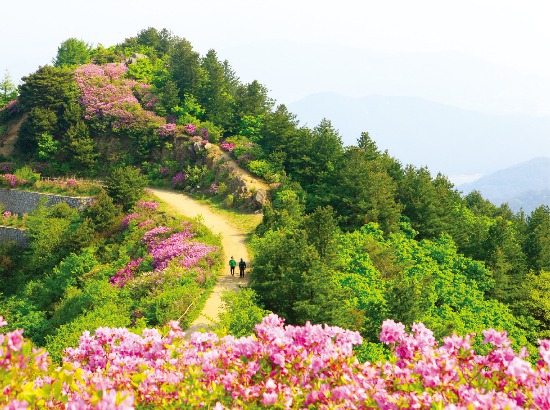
(184, 68)
(8, 91)
(72, 53)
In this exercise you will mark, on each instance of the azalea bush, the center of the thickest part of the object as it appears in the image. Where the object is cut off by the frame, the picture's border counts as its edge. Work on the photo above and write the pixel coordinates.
(310, 366)
(12, 219)
(68, 186)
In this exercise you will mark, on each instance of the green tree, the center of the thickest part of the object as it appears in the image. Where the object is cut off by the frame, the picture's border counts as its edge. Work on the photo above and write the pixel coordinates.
(80, 149)
(102, 212)
(537, 243)
(53, 89)
(8, 90)
(214, 92)
(126, 186)
(365, 192)
(161, 41)
(184, 67)
(72, 53)
(40, 121)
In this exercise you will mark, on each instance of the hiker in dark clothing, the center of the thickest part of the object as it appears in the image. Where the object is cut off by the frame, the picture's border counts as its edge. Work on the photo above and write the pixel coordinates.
(242, 267)
(232, 264)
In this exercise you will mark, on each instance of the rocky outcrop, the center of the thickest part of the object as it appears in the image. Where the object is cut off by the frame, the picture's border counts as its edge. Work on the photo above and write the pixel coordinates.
(248, 190)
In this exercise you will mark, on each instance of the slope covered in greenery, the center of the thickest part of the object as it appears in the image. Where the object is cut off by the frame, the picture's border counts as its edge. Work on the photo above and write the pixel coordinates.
(351, 237)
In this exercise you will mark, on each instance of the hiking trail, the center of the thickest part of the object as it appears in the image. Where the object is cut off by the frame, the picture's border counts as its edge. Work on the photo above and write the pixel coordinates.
(233, 243)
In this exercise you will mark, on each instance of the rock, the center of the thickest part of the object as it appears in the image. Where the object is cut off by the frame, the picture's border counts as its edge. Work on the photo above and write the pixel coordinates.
(260, 198)
(197, 147)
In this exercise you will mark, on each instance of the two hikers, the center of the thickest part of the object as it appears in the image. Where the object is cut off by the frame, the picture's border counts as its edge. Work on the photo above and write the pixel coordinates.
(242, 267)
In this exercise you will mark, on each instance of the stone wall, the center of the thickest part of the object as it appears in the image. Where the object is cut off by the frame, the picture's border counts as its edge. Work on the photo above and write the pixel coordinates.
(19, 236)
(24, 202)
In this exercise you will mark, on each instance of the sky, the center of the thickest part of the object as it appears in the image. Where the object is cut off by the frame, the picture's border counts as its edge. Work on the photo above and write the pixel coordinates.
(509, 34)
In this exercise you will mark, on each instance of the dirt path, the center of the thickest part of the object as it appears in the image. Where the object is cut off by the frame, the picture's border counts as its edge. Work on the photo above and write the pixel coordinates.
(233, 244)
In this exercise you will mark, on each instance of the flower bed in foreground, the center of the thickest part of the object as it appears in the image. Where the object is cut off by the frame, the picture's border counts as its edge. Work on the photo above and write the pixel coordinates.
(309, 366)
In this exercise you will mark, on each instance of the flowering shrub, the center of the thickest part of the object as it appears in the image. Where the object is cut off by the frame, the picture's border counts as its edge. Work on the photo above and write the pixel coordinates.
(227, 146)
(190, 129)
(125, 274)
(166, 130)
(148, 205)
(310, 366)
(178, 181)
(67, 186)
(163, 250)
(213, 189)
(13, 220)
(7, 167)
(12, 181)
(108, 96)
(126, 221)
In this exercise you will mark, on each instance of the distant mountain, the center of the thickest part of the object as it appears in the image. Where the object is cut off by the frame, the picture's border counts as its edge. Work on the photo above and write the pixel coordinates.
(295, 70)
(525, 186)
(444, 138)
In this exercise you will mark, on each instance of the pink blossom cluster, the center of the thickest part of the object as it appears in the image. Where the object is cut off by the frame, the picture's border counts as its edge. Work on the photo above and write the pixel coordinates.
(228, 146)
(190, 129)
(150, 238)
(176, 245)
(6, 214)
(126, 274)
(19, 361)
(310, 366)
(126, 221)
(7, 167)
(166, 130)
(107, 96)
(12, 181)
(101, 97)
(178, 180)
(148, 205)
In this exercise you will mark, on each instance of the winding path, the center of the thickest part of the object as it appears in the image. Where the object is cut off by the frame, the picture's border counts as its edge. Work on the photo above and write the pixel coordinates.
(233, 243)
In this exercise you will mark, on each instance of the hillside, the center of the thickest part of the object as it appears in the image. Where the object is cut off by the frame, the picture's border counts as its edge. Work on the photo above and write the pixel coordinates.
(359, 258)
(523, 186)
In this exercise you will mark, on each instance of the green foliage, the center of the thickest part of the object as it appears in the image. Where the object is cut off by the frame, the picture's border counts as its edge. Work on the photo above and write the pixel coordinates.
(537, 243)
(103, 213)
(27, 174)
(241, 312)
(48, 230)
(50, 87)
(184, 67)
(126, 185)
(47, 147)
(71, 53)
(80, 149)
(8, 91)
(40, 121)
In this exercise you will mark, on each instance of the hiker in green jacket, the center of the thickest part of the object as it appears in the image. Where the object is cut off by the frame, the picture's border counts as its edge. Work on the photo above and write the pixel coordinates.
(232, 264)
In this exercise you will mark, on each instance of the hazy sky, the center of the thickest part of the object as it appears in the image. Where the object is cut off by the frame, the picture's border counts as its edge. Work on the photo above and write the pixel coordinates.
(512, 33)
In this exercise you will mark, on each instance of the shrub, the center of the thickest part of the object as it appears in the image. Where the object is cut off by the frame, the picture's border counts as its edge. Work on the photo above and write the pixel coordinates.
(126, 186)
